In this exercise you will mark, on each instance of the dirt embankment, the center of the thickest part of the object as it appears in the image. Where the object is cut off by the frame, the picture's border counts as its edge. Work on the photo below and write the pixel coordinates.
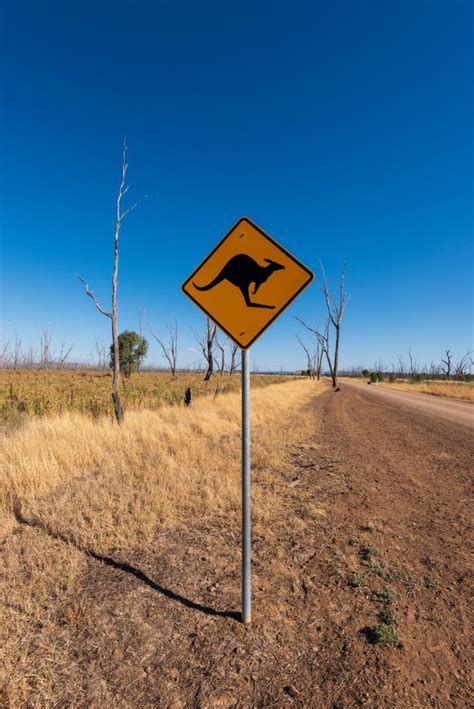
(374, 519)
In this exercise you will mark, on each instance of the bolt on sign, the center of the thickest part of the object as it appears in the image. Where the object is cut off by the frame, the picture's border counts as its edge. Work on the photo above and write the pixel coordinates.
(246, 282)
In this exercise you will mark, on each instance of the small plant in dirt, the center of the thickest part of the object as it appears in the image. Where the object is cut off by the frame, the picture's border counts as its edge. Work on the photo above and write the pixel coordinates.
(428, 561)
(387, 616)
(356, 580)
(353, 542)
(430, 582)
(381, 634)
(368, 553)
(385, 595)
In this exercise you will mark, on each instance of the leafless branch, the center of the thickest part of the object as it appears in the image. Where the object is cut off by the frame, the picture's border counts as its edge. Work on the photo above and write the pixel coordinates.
(91, 295)
(170, 350)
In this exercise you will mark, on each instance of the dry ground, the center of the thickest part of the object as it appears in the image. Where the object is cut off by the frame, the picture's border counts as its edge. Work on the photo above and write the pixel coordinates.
(359, 509)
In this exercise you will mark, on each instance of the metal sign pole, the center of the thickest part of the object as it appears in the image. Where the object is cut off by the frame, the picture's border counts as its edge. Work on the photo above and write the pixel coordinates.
(246, 509)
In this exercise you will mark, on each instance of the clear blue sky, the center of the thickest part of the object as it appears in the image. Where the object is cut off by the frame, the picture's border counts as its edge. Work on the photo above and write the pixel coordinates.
(343, 128)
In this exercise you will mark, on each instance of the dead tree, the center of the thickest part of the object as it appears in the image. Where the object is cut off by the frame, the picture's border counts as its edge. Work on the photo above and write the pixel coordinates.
(323, 345)
(206, 344)
(169, 349)
(310, 359)
(220, 363)
(234, 360)
(413, 364)
(448, 363)
(64, 354)
(5, 354)
(401, 366)
(335, 310)
(101, 351)
(463, 364)
(113, 313)
(45, 347)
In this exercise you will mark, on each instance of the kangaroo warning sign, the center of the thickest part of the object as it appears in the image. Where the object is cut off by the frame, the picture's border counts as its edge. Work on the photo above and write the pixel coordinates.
(246, 282)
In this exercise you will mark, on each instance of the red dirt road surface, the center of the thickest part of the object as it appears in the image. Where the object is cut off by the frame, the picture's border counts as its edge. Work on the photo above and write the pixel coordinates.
(460, 412)
(376, 520)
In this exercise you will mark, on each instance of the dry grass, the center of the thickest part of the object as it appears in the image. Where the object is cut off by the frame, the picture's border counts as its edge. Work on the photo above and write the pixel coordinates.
(34, 392)
(114, 484)
(107, 488)
(453, 390)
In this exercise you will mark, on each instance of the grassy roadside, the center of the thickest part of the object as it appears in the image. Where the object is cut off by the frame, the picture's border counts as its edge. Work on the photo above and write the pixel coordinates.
(107, 488)
(26, 393)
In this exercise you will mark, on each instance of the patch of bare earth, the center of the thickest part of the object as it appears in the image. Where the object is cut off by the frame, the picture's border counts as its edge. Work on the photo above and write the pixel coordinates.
(376, 500)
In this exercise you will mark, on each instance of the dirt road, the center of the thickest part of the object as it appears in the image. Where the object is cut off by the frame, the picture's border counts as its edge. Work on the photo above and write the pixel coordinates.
(460, 412)
(375, 518)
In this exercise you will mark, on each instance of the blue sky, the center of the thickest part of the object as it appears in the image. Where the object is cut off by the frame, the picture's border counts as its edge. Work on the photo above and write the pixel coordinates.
(343, 128)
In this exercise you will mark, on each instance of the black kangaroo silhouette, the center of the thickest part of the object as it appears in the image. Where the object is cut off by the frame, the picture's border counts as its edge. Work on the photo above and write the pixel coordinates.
(241, 270)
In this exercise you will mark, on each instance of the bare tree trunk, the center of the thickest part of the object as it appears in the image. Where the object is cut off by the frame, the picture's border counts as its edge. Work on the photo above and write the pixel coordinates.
(113, 315)
(233, 359)
(336, 358)
(206, 343)
(335, 313)
(447, 362)
(220, 364)
(211, 334)
(170, 351)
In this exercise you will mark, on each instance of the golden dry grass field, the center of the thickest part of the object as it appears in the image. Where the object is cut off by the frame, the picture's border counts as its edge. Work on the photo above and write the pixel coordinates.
(99, 486)
(36, 392)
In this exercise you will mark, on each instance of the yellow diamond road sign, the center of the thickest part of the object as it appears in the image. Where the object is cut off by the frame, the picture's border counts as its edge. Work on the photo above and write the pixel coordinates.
(246, 282)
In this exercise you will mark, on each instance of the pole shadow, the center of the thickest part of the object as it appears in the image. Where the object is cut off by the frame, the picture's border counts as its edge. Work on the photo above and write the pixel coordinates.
(123, 566)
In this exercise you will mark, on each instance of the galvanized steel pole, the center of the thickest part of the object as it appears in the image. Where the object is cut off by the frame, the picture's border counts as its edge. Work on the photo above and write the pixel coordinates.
(246, 505)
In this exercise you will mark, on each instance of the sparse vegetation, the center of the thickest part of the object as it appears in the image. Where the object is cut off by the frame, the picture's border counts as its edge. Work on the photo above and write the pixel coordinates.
(25, 393)
(385, 595)
(355, 580)
(381, 634)
(368, 553)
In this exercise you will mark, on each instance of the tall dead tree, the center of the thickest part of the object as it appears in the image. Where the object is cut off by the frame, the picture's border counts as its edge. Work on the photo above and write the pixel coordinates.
(113, 313)
(234, 359)
(170, 348)
(310, 359)
(206, 343)
(322, 345)
(335, 310)
(464, 365)
(45, 347)
(220, 362)
(64, 354)
(448, 364)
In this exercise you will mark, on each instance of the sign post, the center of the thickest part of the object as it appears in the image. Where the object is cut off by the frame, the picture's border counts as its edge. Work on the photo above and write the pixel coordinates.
(225, 286)
(246, 500)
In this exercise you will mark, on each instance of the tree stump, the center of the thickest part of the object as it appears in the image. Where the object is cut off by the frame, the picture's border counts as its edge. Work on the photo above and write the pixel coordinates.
(188, 397)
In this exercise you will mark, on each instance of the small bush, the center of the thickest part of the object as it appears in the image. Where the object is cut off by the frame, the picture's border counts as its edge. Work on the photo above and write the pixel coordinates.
(385, 595)
(368, 553)
(387, 616)
(381, 634)
(356, 580)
